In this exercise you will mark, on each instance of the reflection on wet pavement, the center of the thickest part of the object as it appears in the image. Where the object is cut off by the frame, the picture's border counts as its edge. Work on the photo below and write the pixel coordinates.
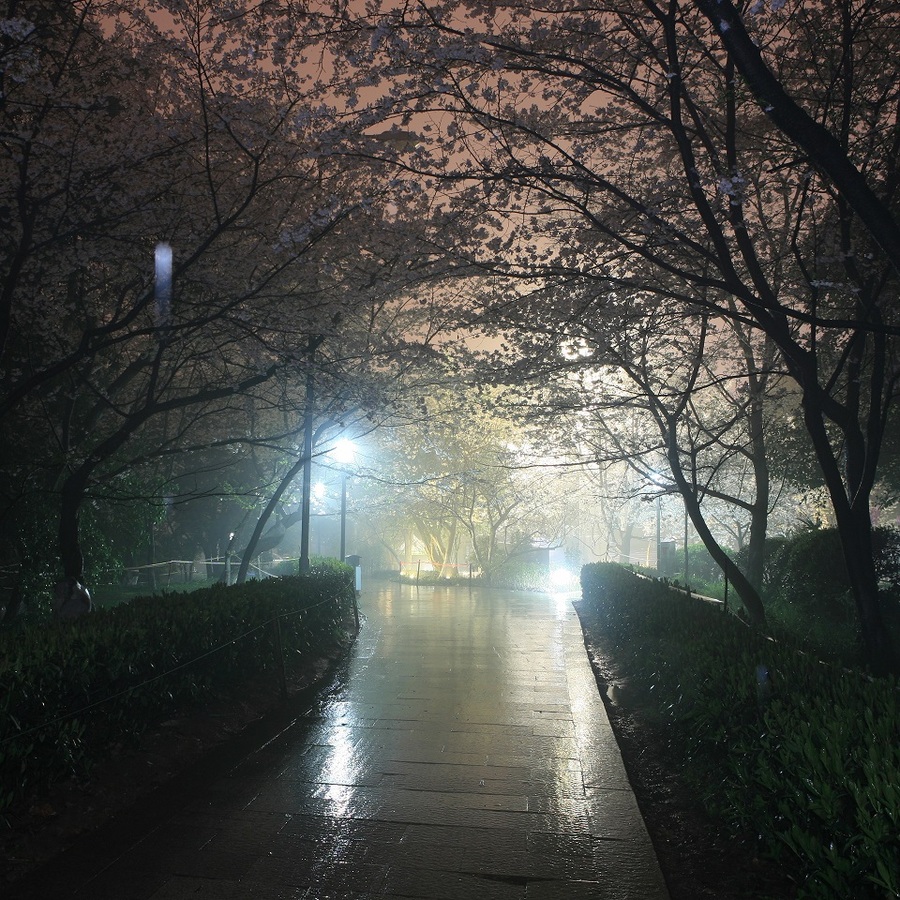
(465, 754)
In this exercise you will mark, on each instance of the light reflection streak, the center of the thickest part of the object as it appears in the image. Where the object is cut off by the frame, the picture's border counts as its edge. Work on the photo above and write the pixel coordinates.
(341, 770)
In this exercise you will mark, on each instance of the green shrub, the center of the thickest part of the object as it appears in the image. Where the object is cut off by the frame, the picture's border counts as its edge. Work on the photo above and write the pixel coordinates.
(520, 576)
(513, 575)
(285, 568)
(776, 564)
(701, 566)
(814, 574)
(430, 576)
(802, 754)
(68, 691)
(886, 547)
(818, 577)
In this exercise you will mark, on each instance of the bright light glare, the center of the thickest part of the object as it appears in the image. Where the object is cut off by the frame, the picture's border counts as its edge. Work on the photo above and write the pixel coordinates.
(563, 587)
(562, 580)
(318, 490)
(344, 451)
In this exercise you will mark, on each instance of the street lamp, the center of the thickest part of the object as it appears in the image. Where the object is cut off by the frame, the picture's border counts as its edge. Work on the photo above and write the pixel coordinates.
(658, 536)
(658, 483)
(344, 453)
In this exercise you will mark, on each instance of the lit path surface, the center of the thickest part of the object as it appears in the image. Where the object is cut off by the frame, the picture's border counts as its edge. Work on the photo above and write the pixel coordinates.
(465, 754)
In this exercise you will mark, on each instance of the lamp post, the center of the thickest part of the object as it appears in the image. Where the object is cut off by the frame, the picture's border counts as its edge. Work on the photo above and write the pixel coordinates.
(343, 516)
(344, 452)
(306, 496)
(658, 538)
(660, 488)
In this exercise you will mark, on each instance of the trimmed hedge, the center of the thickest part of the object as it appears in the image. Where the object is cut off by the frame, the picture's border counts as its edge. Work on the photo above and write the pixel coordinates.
(69, 691)
(803, 754)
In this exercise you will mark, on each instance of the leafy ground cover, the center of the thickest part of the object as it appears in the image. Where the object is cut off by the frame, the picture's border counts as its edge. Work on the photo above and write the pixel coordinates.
(77, 698)
(799, 755)
(35, 832)
(70, 690)
(701, 859)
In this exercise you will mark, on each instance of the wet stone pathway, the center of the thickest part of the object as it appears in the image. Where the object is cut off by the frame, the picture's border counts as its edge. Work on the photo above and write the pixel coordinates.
(465, 754)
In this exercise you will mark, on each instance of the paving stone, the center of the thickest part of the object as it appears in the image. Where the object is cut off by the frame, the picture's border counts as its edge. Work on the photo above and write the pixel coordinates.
(436, 885)
(186, 888)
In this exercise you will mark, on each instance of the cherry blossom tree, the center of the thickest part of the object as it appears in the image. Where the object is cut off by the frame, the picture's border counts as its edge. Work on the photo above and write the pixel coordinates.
(466, 483)
(644, 386)
(617, 143)
(204, 129)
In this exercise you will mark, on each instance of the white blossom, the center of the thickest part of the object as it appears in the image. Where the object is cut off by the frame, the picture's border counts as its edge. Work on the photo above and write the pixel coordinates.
(378, 36)
(17, 29)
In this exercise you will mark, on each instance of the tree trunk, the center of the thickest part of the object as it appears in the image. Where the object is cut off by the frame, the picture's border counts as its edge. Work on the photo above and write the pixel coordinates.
(756, 544)
(856, 540)
(759, 513)
(69, 544)
(445, 570)
(625, 546)
(854, 525)
(307, 455)
(748, 594)
(264, 516)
